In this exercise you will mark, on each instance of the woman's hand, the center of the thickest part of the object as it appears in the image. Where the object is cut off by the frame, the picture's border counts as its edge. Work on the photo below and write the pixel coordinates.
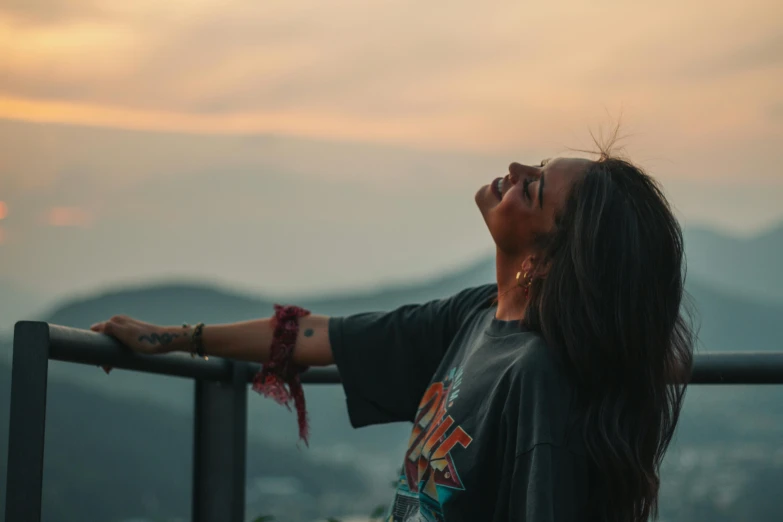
(143, 337)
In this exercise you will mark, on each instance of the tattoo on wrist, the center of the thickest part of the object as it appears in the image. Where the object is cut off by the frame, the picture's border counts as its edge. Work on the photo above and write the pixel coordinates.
(155, 338)
(309, 332)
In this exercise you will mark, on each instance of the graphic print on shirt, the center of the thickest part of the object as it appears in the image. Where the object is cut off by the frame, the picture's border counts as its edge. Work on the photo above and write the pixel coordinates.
(429, 474)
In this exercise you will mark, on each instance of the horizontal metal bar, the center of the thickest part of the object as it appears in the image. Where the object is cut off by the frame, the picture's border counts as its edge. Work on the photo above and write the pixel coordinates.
(709, 368)
(738, 368)
(87, 347)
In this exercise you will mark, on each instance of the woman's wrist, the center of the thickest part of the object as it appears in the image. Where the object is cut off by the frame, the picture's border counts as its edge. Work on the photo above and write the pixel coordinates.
(180, 337)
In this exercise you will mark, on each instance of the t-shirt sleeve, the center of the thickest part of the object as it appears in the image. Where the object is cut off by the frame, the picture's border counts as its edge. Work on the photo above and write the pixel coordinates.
(386, 359)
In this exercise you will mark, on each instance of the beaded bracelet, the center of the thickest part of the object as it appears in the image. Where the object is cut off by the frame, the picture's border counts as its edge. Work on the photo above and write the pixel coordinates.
(280, 370)
(197, 342)
(185, 327)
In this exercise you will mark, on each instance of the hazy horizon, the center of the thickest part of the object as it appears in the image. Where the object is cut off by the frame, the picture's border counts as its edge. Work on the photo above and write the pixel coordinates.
(206, 207)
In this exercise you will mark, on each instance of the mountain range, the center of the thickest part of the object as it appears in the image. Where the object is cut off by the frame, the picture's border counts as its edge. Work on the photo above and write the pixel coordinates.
(744, 266)
(91, 414)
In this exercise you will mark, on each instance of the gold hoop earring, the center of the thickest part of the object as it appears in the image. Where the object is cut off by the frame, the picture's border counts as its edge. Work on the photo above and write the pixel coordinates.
(525, 282)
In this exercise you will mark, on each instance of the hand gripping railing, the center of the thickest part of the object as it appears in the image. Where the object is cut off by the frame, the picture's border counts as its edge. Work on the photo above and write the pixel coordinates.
(220, 424)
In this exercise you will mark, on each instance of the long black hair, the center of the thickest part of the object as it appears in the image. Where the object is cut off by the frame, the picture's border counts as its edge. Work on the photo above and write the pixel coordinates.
(612, 305)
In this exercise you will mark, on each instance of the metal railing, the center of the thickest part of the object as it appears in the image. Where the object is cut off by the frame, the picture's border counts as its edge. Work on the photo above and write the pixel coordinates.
(220, 413)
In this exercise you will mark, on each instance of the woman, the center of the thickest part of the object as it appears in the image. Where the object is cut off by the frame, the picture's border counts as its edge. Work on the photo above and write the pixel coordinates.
(549, 396)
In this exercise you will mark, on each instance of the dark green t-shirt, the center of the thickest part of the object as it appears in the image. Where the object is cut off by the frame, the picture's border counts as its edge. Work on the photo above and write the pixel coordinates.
(496, 436)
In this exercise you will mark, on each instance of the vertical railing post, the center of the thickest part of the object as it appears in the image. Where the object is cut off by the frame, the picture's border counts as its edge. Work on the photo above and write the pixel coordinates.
(219, 447)
(27, 422)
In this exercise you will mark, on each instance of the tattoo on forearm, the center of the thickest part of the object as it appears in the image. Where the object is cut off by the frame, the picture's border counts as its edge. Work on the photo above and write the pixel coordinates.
(165, 338)
(308, 332)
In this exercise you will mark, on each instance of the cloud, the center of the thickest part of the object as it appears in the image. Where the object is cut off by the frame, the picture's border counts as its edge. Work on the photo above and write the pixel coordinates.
(48, 11)
(774, 111)
(765, 52)
(456, 75)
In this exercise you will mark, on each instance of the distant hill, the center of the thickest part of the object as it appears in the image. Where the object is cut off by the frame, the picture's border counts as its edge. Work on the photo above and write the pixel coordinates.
(17, 303)
(729, 322)
(721, 417)
(749, 267)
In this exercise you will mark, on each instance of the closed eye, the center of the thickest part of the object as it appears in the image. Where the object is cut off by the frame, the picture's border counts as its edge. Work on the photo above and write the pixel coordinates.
(526, 187)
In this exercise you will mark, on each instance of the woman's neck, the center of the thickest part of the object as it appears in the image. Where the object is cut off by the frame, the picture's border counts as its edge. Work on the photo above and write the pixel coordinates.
(512, 302)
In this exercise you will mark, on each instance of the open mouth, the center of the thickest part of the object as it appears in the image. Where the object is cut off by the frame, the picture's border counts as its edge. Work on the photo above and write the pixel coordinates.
(497, 188)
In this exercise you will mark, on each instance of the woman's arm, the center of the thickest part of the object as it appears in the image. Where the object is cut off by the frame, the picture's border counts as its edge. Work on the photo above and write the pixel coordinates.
(245, 341)
(250, 341)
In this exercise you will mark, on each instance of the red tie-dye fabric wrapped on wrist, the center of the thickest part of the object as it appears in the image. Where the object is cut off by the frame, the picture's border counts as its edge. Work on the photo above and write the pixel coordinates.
(280, 371)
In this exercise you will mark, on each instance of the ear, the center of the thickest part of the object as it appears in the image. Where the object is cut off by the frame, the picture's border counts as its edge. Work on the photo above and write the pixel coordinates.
(529, 264)
(532, 266)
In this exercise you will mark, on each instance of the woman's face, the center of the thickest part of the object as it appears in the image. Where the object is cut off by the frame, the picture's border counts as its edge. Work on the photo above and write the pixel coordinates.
(523, 204)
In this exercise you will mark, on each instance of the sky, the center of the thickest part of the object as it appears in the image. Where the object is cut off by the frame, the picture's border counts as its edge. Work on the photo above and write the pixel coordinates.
(309, 146)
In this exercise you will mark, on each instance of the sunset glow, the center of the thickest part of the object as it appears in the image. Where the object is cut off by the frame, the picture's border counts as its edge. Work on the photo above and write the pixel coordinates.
(460, 77)
(69, 217)
(3, 210)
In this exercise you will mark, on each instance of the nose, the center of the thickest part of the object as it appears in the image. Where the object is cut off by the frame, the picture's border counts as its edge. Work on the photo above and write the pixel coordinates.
(514, 172)
(517, 171)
